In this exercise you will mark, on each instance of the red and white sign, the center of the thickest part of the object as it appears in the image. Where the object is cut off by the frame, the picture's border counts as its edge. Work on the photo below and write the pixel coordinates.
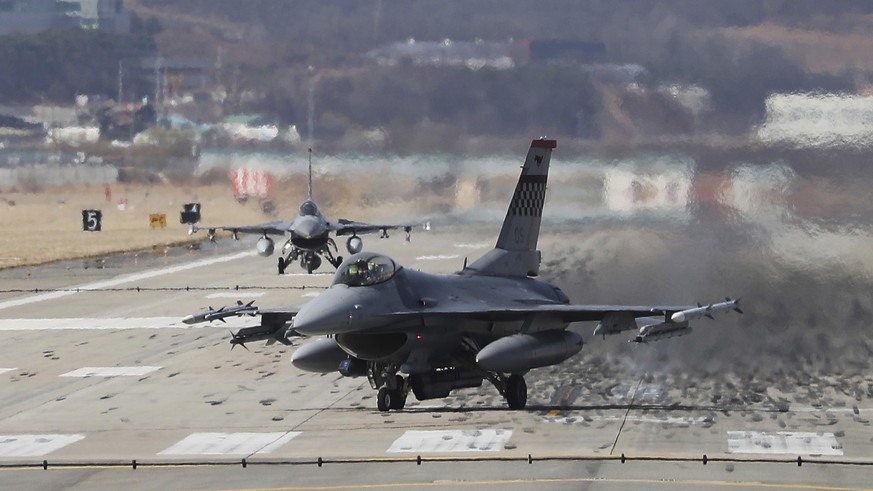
(249, 183)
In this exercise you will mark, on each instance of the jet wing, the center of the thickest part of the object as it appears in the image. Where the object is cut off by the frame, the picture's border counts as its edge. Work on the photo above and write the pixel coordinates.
(613, 318)
(567, 312)
(350, 227)
(270, 228)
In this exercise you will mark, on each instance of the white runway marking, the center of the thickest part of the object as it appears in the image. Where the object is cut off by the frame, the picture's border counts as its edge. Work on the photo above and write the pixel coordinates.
(4, 370)
(311, 294)
(783, 442)
(480, 245)
(122, 280)
(34, 445)
(111, 372)
(451, 441)
(438, 257)
(116, 323)
(230, 443)
(236, 295)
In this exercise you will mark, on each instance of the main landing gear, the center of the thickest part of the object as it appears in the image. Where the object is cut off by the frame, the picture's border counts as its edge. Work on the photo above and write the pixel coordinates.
(310, 260)
(516, 392)
(393, 388)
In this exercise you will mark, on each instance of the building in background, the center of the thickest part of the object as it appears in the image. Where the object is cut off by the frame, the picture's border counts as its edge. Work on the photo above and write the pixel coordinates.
(34, 16)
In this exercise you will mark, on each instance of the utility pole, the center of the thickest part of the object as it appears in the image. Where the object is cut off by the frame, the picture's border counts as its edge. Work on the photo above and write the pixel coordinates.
(118, 101)
(158, 60)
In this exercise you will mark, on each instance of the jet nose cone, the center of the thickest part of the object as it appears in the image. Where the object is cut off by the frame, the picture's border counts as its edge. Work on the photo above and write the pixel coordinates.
(308, 228)
(328, 313)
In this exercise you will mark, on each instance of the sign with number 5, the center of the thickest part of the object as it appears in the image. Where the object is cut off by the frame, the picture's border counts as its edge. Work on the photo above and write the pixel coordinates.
(91, 220)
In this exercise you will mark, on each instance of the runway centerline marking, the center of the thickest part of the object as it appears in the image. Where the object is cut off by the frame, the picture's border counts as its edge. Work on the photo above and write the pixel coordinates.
(111, 372)
(235, 295)
(112, 323)
(122, 280)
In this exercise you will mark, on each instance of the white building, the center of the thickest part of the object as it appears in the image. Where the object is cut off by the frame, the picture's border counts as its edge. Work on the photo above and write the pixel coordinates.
(818, 120)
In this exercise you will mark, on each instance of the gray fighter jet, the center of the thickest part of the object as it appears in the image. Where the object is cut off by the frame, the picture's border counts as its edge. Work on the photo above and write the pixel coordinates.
(406, 330)
(309, 233)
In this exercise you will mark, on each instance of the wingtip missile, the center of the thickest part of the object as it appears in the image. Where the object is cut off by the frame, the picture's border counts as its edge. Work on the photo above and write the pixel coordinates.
(706, 310)
(220, 314)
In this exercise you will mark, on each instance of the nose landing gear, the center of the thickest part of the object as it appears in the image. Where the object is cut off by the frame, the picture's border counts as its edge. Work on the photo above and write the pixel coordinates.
(393, 396)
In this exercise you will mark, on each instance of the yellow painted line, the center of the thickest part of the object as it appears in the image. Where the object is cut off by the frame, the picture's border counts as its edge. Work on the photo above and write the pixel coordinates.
(670, 483)
(561, 401)
(693, 483)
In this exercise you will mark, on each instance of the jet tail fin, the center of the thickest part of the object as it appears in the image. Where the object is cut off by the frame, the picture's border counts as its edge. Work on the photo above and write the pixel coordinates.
(516, 251)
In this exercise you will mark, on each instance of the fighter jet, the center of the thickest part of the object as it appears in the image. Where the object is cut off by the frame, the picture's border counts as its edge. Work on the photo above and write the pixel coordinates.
(406, 330)
(309, 233)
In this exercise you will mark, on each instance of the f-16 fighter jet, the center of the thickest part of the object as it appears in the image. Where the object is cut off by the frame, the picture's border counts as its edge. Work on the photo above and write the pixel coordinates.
(309, 235)
(407, 330)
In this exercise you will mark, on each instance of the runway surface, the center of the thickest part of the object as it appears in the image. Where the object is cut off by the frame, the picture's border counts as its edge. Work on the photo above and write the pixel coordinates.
(103, 387)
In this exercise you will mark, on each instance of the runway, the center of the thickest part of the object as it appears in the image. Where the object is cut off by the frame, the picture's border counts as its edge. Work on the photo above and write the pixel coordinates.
(104, 387)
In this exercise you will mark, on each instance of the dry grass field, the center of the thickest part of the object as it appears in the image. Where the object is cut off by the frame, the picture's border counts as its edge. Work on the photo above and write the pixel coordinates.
(46, 226)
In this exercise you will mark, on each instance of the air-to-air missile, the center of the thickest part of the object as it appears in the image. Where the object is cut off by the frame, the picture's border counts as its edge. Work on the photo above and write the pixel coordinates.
(211, 314)
(706, 310)
(678, 323)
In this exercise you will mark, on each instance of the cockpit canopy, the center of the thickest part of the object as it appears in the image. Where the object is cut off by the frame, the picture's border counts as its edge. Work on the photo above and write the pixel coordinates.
(364, 269)
(308, 208)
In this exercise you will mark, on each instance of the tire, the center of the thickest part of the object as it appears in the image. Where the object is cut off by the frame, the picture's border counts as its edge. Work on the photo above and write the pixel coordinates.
(282, 265)
(384, 398)
(398, 400)
(516, 392)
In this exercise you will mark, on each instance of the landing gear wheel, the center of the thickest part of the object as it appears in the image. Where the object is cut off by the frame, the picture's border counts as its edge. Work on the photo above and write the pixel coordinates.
(516, 392)
(384, 398)
(399, 396)
(282, 265)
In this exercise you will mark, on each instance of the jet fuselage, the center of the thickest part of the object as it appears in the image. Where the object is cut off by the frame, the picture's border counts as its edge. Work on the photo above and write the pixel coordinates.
(364, 319)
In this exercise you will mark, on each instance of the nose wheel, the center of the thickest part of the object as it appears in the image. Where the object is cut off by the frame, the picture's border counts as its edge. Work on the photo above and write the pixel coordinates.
(392, 398)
